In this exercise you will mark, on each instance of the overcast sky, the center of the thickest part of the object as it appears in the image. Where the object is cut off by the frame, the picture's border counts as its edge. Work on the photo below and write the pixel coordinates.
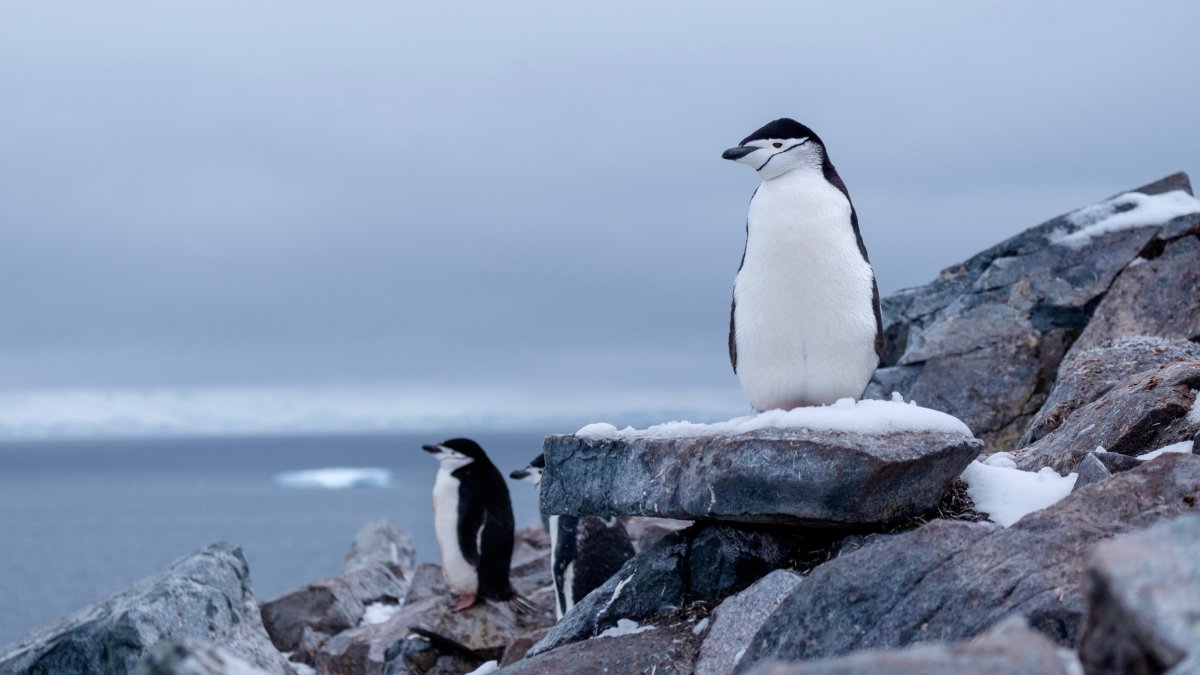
(505, 209)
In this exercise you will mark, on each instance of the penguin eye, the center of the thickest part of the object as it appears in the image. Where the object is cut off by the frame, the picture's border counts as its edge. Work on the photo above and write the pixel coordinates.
(777, 145)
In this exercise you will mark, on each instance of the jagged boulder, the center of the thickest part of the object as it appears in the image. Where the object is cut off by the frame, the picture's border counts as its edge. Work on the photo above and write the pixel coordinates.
(378, 543)
(1087, 374)
(814, 466)
(705, 562)
(738, 618)
(1146, 411)
(189, 656)
(206, 595)
(1158, 294)
(1144, 602)
(330, 606)
(1009, 649)
(949, 581)
(982, 341)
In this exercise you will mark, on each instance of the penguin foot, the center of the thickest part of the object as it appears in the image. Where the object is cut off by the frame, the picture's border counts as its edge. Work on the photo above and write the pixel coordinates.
(465, 602)
(523, 605)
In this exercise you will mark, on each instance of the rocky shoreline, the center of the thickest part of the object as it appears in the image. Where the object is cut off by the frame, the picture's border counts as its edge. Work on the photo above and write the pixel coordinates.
(845, 546)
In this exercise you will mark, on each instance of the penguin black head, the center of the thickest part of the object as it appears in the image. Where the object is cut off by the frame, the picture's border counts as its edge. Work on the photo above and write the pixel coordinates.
(456, 452)
(531, 473)
(779, 147)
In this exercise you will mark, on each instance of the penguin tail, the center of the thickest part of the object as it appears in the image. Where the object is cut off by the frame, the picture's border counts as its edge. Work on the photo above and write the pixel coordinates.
(523, 605)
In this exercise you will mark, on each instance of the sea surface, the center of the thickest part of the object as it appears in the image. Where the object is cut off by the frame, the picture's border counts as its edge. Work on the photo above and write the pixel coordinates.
(80, 520)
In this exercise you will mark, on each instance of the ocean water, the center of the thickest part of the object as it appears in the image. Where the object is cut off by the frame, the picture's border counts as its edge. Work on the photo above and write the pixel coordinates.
(80, 520)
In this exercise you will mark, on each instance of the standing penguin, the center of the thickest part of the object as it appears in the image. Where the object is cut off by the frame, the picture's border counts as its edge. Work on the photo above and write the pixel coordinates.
(804, 325)
(584, 552)
(473, 521)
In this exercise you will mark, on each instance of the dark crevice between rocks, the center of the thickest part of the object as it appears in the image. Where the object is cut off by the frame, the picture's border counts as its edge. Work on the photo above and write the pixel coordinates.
(818, 548)
(1153, 249)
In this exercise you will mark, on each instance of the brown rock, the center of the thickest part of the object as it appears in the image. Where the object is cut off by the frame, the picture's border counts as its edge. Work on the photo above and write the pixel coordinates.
(331, 605)
(1144, 412)
(1086, 375)
(663, 650)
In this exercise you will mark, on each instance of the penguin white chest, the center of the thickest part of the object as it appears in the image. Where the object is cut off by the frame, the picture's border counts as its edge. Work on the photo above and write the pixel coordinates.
(804, 311)
(460, 575)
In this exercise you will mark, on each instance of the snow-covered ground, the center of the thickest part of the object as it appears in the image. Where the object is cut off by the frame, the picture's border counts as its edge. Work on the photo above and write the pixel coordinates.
(846, 415)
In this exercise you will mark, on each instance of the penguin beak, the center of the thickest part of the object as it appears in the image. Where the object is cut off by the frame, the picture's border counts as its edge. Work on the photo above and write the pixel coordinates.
(432, 449)
(519, 474)
(738, 152)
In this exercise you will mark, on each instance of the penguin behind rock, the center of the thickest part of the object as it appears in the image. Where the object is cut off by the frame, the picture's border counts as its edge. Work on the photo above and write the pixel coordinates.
(473, 521)
(584, 552)
(804, 324)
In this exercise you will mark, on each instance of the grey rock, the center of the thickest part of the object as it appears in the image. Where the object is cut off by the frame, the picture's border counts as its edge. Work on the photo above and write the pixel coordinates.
(1087, 374)
(380, 543)
(1144, 602)
(1091, 470)
(1144, 412)
(983, 340)
(832, 478)
(1009, 649)
(738, 618)
(206, 595)
(662, 650)
(330, 606)
(429, 655)
(705, 562)
(948, 581)
(1157, 297)
(1116, 463)
(483, 631)
(189, 656)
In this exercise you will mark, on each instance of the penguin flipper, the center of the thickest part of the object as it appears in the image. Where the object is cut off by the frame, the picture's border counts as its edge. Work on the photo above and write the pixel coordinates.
(471, 521)
(495, 553)
(733, 334)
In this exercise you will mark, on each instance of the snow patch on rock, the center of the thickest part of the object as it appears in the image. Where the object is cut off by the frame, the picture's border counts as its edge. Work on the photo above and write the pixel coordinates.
(846, 415)
(1123, 212)
(1007, 494)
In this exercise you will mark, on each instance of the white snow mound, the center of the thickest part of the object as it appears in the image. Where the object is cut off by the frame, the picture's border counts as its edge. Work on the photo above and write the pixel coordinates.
(846, 415)
(1007, 494)
(1184, 447)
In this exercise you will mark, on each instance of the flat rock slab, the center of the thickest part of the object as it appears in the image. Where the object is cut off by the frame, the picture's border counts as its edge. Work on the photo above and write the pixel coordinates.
(785, 475)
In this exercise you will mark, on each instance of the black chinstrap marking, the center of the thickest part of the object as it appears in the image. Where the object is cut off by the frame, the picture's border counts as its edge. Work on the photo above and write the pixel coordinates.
(793, 147)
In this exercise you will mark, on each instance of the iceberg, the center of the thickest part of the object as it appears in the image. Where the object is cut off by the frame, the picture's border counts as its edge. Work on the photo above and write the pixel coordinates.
(335, 478)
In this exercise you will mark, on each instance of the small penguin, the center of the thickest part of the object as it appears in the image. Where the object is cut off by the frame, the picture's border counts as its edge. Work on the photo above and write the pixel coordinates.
(473, 521)
(584, 552)
(804, 324)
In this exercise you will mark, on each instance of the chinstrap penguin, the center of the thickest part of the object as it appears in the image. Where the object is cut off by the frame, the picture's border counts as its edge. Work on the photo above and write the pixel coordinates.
(473, 521)
(804, 324)
(584, 552)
